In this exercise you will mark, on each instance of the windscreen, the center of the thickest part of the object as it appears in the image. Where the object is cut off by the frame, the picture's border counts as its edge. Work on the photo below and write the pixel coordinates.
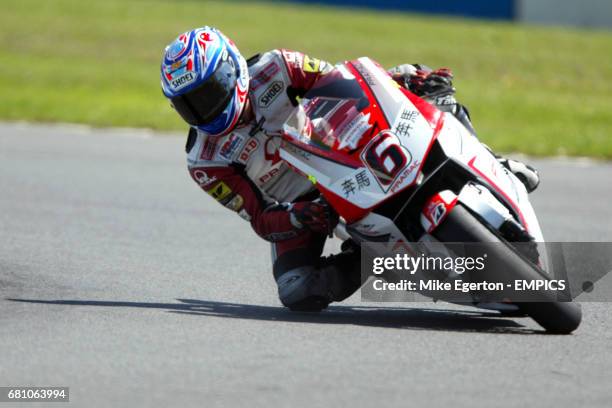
(331, 112)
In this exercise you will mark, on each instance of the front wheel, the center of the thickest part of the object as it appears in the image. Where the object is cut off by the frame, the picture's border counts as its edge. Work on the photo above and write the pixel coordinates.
(462, 226)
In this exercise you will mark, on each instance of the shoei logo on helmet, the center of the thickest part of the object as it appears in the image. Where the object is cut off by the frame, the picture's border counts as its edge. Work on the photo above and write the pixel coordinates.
(183, 80)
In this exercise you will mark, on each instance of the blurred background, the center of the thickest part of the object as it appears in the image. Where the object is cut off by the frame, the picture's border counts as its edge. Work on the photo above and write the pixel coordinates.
(536, 74)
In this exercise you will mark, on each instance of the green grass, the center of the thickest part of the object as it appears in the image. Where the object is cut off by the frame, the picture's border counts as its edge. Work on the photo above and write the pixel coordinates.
(537, 90)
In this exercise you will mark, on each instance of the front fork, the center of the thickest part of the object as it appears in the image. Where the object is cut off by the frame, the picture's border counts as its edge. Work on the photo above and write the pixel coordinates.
(475, 197)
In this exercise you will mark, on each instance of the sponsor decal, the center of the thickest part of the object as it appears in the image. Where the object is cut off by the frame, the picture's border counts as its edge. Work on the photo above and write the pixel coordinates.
(325, 68)
(183, 80)
(236, 203)
(355, 131)
(409, 115)
(270, 94)
(202, 178)
(271, 154)
(208, 151)
(269, 175)
(437, 212)
(312, 65)
(280, 236)
(367, 76)
(405, 175)
(230, 146)
(406, 122)
(403, 129)
(178, 64)
(244, 215)
(360, 181)
(437, 208)
(386, 158)
(348, 186)
(293, 59)
(220, 191)
(446, 100)
(251, 145)
(264, 75)
(298, 152)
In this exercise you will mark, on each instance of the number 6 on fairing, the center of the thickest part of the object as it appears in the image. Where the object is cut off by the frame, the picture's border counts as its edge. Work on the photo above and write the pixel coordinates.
(386, 157)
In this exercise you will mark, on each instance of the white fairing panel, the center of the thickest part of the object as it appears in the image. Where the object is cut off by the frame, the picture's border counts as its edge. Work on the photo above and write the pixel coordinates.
(459, 144)
(377, 228)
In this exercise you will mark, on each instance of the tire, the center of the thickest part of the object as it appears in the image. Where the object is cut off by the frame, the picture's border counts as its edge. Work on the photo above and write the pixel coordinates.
(462, 226)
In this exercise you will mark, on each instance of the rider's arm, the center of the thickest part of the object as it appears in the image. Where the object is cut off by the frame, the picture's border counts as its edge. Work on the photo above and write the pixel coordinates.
(233, 189)
(228, 184)
(303, 71)
(435, 86)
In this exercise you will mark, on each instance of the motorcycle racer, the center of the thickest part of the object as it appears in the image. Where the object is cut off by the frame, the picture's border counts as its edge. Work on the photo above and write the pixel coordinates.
(236, 108)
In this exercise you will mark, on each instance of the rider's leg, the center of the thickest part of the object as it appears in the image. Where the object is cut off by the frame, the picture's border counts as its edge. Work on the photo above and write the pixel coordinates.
(527, 174)
(308, 282)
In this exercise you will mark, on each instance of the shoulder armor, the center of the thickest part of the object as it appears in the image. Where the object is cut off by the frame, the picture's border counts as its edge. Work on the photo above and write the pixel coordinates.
(253, 60)
(191, 139)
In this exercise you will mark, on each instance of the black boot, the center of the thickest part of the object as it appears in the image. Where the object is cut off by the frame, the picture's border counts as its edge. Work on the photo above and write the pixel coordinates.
(344, 271)
(524, 172)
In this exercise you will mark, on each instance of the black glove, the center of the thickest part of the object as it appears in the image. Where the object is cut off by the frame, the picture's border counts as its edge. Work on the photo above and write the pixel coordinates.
(317, 216)
(432, 84)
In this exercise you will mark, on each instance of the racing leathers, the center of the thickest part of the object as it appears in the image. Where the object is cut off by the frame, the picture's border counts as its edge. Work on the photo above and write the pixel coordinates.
(243, 172)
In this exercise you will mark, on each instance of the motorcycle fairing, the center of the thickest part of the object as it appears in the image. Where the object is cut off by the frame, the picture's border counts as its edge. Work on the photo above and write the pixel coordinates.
(387, 157)
(460, 145)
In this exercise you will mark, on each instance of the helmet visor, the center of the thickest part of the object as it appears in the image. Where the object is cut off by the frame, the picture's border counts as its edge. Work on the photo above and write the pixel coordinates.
(205, 103)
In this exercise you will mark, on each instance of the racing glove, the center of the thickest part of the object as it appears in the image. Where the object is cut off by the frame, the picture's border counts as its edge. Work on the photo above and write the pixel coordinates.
(435, 86)
(316, 216)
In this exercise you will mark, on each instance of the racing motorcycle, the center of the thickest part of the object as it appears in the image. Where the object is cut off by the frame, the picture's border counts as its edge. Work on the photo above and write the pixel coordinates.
(398, 170)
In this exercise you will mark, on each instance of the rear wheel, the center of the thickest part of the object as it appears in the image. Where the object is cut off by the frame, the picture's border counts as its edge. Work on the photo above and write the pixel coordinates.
(462, 226)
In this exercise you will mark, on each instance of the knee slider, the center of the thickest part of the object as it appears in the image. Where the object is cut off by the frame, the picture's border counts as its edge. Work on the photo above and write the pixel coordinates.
(303, 288)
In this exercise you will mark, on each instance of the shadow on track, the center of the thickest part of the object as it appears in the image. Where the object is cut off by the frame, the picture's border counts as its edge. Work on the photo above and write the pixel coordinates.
(395, 318)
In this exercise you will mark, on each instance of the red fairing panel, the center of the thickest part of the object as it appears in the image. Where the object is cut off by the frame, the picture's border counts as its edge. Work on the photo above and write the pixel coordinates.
(437, 209)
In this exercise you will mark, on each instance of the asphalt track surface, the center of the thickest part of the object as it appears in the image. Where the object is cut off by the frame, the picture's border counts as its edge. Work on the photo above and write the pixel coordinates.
(120, 279)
